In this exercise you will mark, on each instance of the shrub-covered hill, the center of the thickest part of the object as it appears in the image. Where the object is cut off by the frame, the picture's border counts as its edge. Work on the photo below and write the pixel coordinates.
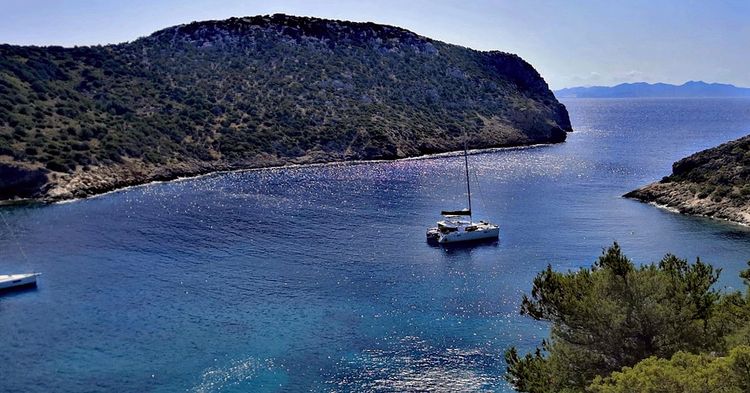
(253, 92)
(713, 183)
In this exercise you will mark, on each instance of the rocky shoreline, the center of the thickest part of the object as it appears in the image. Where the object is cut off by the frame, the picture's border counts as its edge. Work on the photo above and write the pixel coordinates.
(712, 183)
(681, 198)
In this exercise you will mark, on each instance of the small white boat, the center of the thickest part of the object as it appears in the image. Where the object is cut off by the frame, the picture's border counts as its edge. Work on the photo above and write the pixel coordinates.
(9, 281)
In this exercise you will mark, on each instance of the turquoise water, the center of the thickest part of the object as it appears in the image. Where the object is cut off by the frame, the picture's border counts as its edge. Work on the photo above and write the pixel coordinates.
(319, 279)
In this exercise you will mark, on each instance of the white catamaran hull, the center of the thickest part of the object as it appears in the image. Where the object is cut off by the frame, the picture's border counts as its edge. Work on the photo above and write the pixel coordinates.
(8, 281)
(463, 236)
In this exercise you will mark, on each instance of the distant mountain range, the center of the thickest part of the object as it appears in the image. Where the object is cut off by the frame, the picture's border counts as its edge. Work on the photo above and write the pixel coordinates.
(642, 89)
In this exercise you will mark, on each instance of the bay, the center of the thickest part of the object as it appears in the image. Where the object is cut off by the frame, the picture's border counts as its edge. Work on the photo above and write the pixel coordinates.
(319, 278)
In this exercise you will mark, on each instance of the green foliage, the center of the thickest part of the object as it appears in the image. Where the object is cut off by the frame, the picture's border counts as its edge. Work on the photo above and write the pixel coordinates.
(278, 86)
(683, 373)
(615, 314)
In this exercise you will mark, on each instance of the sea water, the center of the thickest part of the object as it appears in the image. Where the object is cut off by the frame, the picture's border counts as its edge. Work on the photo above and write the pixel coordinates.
(319, 278)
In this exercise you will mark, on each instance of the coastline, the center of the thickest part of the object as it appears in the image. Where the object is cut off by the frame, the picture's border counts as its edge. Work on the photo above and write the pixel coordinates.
(677, 198)
(677, 211)
(71, 196)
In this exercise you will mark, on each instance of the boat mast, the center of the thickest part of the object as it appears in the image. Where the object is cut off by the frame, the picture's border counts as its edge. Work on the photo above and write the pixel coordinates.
(468, 186)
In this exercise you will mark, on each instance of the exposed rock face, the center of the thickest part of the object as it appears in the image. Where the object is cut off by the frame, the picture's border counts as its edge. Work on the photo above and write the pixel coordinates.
(253, 92)
(713, 183)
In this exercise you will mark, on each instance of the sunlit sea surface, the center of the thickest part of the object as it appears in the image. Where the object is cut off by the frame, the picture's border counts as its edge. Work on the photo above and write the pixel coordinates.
(319, 278)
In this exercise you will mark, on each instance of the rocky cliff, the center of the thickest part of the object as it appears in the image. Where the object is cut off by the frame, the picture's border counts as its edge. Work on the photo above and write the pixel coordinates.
(254, 92)
(713, 183)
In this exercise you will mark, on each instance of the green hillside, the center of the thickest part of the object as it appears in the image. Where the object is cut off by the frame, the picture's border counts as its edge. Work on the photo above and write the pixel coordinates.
(251, 92)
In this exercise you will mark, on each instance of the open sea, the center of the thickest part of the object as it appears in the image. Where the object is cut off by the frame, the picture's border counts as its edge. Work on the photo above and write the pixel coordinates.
(319, 278)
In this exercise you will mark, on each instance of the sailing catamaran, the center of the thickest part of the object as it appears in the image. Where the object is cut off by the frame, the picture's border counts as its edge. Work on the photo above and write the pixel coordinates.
(453, 229)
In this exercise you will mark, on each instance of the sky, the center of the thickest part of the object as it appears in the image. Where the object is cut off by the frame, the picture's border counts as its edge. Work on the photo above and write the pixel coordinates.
(571, 43)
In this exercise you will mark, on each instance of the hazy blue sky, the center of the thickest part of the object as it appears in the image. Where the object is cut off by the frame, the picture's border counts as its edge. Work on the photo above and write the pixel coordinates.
(570, 42)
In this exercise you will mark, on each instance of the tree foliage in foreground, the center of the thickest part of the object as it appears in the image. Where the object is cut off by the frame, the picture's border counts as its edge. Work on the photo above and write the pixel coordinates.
(684, 373)
(616, 314)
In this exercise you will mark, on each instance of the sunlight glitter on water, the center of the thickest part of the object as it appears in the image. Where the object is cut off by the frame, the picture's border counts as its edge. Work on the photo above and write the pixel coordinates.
(217, 379)
(413, 365)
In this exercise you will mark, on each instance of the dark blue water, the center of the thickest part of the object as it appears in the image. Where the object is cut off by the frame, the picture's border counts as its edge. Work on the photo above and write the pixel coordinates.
(319, 279)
